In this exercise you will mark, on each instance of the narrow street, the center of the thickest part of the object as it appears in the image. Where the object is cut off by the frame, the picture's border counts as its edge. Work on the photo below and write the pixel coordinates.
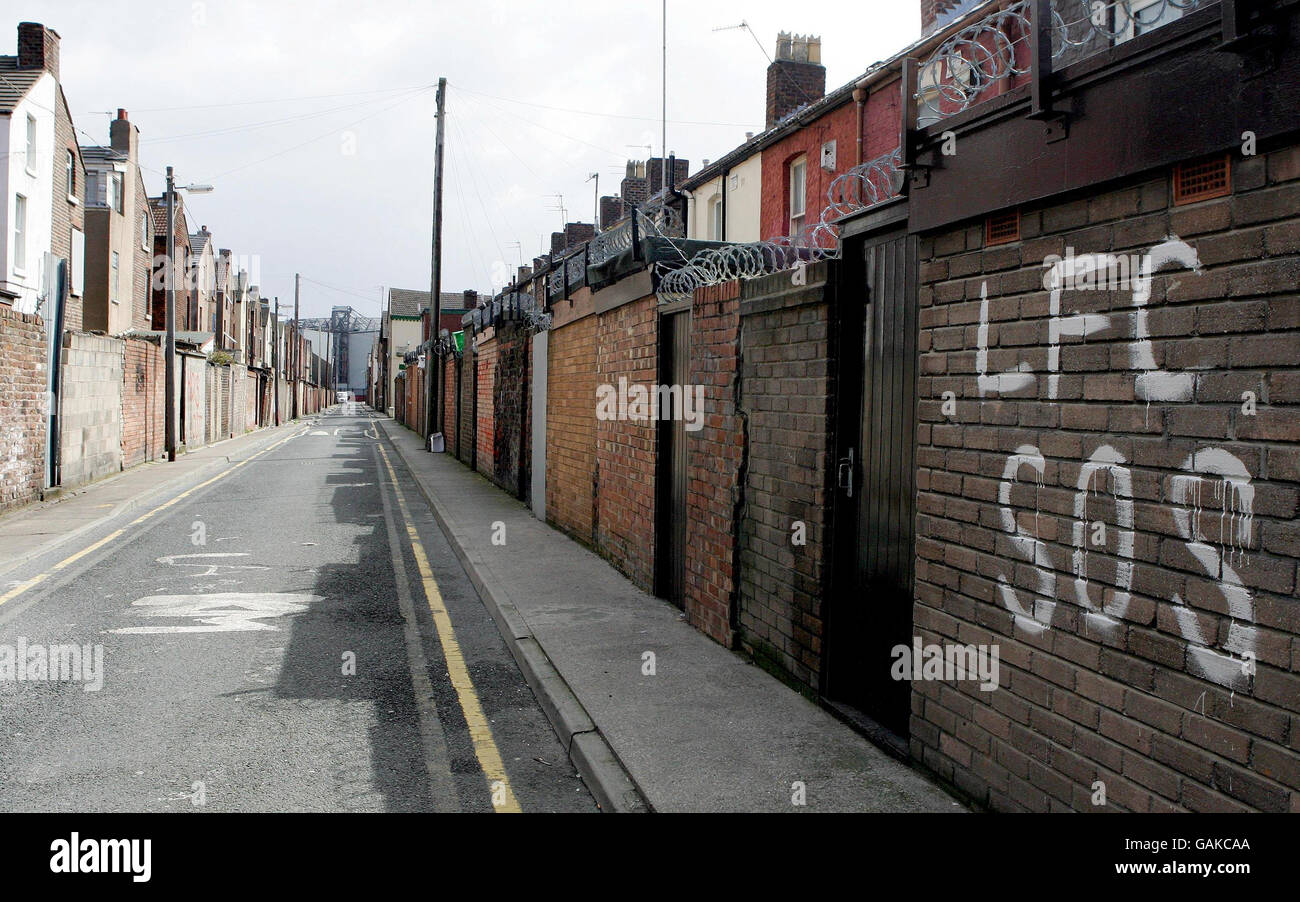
(294, 634)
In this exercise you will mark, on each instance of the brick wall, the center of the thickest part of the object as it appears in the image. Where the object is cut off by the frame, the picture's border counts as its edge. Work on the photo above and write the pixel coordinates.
(23, 413)
(838, 125)
(90, 407)
(786, 398)
(449, 402)
(67, 215)
(1121, 519)
(144, 410)
(626, 348)
(571, 428)
(715, 460)
(510, 403)
(485, 428)
(465, 429)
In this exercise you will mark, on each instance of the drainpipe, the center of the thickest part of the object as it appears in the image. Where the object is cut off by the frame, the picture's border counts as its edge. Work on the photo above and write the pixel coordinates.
(726, 177)
(860, 98)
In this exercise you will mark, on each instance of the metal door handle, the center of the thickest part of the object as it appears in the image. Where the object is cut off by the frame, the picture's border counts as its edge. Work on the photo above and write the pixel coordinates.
(846, 473)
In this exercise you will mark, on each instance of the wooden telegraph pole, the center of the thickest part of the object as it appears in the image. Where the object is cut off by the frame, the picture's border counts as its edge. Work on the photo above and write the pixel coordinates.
(433, 369)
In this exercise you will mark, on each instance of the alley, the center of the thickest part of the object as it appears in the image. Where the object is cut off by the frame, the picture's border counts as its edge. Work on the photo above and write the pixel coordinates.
(293, 634)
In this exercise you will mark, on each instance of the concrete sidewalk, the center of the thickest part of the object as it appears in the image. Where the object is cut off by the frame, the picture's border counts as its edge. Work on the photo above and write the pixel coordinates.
(44, 525)
(707, 732)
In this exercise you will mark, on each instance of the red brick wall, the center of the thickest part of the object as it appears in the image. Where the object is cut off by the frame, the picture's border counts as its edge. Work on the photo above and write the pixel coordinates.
(715, 458)
(1123, 651)
(449, 402)
(485, 428)
(838, 125)
(627, 347)
(415, 398)
(786, 396)
(571, 428)
(23, 418)
(144, 391)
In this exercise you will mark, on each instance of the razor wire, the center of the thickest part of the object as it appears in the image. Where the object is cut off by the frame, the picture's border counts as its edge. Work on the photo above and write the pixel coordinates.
(996, 47)
(857, 189)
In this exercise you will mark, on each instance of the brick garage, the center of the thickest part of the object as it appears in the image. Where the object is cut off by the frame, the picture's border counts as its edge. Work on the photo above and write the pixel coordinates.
(23, 413)
(627, 348)
(1173, 424)
(571, 428)
(144, 393)
(786, 400)
(715, 462)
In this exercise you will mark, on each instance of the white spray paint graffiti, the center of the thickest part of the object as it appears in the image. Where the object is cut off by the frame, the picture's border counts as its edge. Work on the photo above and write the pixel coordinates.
(1220, 661)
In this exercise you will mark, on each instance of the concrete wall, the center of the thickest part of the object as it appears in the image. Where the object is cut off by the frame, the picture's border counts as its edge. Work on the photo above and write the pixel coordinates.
(90, 407)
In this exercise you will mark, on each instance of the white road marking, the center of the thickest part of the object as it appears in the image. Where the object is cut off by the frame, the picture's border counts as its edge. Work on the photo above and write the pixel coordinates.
(222, 612)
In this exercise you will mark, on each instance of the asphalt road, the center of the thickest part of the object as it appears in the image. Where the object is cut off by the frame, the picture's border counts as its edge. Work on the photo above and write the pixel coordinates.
(295, 636)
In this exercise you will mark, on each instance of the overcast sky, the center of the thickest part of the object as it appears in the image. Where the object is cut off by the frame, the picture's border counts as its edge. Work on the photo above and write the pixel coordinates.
(315, 121)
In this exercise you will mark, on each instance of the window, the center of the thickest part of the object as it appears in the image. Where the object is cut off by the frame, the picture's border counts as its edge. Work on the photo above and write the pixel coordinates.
(70, 173)
(112, 281)
(798, 194)
(144, 230)
(92, 188)
(77, 265)
(715, 218)
(20, 232)
(117, 192)
(31, 144)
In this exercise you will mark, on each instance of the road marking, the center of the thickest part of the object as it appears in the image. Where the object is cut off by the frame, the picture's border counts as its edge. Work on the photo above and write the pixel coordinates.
(220, 612)
(72, 559)
(480, 732)
(442, 788)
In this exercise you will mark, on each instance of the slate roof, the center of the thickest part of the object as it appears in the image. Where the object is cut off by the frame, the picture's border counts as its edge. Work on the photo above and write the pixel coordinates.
(15, 82)
(409, 302)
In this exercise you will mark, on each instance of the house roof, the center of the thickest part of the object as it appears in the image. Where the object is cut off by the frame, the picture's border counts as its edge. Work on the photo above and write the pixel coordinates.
(198, 241)
(15, 82)
(409, 302)
(103, 155)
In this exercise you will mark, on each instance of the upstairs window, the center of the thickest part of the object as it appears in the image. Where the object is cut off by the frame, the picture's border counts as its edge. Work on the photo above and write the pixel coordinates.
(70, 174)
(112, 280)
(116, 199)
(798, 195)
(20, 232)
(715, 218)
(30, 162)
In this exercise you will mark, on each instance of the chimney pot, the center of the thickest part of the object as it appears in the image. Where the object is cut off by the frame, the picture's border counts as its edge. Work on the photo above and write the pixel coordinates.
(121, 113)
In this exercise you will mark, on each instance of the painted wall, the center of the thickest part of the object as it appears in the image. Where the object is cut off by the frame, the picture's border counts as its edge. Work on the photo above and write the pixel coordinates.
(34, 179)
(744, 203)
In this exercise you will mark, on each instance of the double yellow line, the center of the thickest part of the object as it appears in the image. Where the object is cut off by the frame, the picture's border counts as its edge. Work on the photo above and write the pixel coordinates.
(480, 732)
(72, 559)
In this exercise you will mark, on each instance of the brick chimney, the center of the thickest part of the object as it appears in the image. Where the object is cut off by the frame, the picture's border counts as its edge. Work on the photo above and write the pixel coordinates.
(796, 77)
(38, 48)
(123, 136)
(935, 13)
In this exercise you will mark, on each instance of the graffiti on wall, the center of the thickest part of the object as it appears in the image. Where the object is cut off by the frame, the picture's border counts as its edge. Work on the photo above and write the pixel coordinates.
(1211, 498)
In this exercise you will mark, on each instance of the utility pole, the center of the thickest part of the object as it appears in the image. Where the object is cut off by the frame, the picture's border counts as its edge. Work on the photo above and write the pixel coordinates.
(169, 352)
(433, 370)
(275, 360)
(297, 283)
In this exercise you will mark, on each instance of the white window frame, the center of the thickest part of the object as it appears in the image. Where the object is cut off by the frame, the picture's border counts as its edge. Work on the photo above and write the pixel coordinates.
(20, 233)
(715, 217)
(798, 194)
(115, 269)
(145, 231)
(30, 162)
(70, 172)
(77, 263)
(117, 189)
